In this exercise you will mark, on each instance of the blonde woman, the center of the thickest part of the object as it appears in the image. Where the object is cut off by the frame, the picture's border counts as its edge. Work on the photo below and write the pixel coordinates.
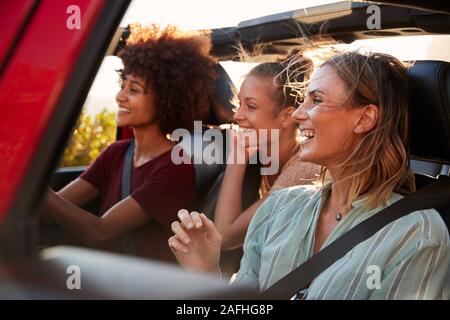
(355, 116)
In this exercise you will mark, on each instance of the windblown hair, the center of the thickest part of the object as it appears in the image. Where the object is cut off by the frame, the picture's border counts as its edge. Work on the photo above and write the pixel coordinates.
(289, 73)
(379, 164)
(178, 68)
(284, 94)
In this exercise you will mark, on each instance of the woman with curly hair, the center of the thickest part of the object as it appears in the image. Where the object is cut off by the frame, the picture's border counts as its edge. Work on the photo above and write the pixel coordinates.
(166, 82)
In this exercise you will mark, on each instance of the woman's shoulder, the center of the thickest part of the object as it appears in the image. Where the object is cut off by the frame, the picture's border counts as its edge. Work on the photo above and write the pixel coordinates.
(418, 226)
(421, 228)
(297, 172)
(166, 161)
(296, 191)
(114, 153)
(428, 225)
(118, 146)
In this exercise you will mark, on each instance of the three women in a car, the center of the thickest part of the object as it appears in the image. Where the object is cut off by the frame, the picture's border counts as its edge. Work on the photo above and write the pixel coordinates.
(166, 83)
(355, 119)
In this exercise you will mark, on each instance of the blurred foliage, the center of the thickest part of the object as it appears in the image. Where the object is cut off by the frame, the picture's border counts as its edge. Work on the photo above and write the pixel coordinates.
(92, 134)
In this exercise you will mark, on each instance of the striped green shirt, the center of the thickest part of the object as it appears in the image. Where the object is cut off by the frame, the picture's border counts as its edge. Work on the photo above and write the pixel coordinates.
(407, 259)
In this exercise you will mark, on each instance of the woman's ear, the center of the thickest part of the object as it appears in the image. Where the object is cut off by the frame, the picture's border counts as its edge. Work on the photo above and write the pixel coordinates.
(368, 119)
(285, 116)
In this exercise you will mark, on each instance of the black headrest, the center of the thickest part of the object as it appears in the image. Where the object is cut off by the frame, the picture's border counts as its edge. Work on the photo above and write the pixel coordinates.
(429, 87)
(206, 170)
(221, 106)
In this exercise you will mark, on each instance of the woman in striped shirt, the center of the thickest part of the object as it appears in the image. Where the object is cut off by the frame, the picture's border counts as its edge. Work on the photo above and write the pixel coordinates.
(355, 123)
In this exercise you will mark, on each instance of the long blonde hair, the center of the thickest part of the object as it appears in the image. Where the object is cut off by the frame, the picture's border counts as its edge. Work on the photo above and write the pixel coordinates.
(379, 164)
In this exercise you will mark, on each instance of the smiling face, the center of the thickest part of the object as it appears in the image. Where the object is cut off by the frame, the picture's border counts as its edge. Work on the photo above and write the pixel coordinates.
(327, 120)
(136, 105)
(257, 108)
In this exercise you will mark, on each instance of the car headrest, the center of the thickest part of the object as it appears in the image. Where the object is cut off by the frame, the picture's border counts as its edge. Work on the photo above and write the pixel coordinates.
(429, 87)
(206, 171)
(221, 108)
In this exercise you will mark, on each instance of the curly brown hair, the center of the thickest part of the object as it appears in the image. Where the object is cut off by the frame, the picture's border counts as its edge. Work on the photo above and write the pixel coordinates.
(179, 69)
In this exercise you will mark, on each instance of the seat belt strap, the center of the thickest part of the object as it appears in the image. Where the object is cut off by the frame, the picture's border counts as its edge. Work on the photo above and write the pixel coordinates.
(128, 240)
(436, 195)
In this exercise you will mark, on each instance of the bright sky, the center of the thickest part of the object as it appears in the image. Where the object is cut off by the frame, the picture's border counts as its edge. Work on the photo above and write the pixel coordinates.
(188, 15)
(207, 14)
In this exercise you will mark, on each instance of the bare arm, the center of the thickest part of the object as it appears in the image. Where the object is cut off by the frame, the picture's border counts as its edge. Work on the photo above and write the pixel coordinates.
(234, 234)
(78, 192)
(229, 221)
(125, 216)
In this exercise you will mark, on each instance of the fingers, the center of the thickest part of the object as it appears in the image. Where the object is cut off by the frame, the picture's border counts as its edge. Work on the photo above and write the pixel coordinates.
(180, 233)
(210, 228)
(176, 245)
(187, 222)
(190, 220)
(185, 219)
(195, 216)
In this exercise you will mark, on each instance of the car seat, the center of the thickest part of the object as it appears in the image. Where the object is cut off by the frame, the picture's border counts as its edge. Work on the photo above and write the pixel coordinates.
(429, 137)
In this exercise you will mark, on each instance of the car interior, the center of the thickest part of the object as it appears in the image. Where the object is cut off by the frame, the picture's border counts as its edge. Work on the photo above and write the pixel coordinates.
(343, 22)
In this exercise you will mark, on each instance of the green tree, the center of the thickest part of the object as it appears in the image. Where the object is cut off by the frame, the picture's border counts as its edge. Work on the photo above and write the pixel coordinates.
(90, 137)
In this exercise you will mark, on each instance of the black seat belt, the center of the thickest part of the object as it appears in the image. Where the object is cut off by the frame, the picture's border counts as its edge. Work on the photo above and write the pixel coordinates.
(436, 195)
(128, 246)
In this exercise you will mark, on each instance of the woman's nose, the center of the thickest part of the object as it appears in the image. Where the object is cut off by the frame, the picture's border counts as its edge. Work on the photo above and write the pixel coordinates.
(120, 96)
(300, 114)
(238, 115)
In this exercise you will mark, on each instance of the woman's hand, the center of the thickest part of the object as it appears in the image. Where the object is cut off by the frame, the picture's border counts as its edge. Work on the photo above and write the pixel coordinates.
(196, 243)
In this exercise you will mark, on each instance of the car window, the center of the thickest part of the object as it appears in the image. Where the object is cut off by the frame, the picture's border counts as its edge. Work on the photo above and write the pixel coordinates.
(96, 126)
(96, 129)
(405, 48)
(423, 47)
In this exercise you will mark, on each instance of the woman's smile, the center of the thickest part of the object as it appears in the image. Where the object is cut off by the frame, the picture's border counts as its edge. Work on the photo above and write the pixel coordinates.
(306, 135)
(123, 111)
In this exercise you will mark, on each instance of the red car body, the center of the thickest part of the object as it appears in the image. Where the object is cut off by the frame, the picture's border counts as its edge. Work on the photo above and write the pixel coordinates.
(38, 54)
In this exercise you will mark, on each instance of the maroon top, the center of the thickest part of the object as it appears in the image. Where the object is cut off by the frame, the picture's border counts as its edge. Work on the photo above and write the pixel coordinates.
(159, 186)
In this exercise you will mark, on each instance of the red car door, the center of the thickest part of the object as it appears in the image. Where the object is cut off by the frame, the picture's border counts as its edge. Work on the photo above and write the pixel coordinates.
(50, 52)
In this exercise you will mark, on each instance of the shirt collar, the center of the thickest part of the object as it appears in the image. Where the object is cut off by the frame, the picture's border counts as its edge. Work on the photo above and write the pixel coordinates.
(360, 200)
